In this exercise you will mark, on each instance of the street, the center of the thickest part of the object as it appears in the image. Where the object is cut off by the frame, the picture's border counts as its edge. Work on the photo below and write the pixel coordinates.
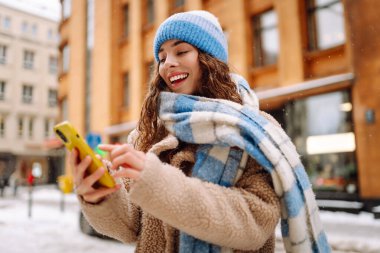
(51, 229)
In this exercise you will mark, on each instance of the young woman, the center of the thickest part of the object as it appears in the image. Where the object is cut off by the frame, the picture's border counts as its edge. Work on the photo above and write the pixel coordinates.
(205, 170)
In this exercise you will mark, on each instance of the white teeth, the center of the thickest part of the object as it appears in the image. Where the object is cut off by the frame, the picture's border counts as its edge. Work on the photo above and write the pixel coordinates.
(177, 77)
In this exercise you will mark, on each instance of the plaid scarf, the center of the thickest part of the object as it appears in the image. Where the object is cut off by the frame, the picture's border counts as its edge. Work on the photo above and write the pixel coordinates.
(217, 125)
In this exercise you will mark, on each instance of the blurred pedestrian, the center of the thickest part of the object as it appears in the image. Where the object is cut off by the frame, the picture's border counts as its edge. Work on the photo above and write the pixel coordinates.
(3, 182)
(205, 170)
(14, 183)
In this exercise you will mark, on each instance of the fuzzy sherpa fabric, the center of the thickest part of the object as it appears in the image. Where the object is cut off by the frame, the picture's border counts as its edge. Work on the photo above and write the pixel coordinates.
(151, 211)
(218, 125)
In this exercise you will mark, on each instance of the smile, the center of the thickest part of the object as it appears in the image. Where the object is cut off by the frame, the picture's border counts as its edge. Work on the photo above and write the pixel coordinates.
(178, 78)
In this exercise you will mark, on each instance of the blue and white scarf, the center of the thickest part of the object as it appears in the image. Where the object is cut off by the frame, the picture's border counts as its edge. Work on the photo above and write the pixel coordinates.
(217, 125)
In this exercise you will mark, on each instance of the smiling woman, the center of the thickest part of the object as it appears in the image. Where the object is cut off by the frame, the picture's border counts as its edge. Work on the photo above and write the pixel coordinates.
(202, 148)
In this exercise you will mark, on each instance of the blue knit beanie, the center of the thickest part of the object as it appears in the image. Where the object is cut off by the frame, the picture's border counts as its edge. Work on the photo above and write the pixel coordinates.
(198, 28)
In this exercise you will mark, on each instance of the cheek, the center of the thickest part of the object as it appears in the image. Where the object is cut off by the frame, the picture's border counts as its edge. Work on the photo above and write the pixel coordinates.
(197, 72)
(195, 65)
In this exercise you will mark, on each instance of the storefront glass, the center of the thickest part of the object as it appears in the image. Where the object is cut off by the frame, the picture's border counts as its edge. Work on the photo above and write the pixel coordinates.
(322, 129)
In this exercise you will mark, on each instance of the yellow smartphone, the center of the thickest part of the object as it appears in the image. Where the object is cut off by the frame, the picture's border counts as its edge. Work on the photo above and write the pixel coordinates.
(71, 139)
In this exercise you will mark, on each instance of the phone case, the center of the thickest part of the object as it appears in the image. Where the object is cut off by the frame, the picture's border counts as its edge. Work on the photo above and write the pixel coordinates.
(71, 139)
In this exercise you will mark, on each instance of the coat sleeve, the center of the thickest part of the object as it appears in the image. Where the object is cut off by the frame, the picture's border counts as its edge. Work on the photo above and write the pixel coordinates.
(116, 216)
(241, 217)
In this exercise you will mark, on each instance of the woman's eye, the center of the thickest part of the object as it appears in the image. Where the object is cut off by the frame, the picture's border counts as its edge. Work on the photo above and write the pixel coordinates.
(162, 60)
(182, 52)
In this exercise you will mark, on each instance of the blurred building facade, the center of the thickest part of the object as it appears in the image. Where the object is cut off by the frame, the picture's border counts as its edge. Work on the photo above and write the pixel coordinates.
(313, 64)
(28, 92)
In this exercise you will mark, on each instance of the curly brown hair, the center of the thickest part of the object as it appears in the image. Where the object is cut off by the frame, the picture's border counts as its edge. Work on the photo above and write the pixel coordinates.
(216, 82)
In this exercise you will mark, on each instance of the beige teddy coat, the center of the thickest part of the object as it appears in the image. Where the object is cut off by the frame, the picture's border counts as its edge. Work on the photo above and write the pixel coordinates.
(151, 211)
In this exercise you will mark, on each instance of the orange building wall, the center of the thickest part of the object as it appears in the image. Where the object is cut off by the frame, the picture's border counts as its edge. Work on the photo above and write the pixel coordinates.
(115, 55)
(365, 36)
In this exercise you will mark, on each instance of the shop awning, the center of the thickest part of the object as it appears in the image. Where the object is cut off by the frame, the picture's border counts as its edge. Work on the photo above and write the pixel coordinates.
(119, 129)
(304, 86)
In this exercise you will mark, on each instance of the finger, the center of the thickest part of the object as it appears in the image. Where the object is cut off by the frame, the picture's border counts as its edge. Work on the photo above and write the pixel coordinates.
(129, 173)
(141, 155)
(83, 189)
(73, 158)
(121, 149)
(128, 160)
(96, 196)
(94, 177)
(105, 162)
(107, 147)
(80, 169)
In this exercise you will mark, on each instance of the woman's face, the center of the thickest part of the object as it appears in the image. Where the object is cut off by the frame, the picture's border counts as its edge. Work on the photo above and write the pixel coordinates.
(179, 66)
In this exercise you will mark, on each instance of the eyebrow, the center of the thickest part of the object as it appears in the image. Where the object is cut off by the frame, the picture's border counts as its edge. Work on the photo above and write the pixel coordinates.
(175, 43)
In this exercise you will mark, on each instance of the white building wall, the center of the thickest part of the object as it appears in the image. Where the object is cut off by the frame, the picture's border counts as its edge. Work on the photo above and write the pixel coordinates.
(15, 76)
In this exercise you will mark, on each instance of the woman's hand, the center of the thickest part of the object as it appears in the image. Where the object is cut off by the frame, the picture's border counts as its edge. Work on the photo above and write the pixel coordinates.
(126, 161)
(84, 184)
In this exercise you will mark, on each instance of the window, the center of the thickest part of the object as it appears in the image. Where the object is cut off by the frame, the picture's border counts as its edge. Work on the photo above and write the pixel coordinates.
(52, 98)
(327, 150)
(266, 40)
(24, 27)
(2, 90)
(50, 34)
(3, 54)
(177, 6)
(28, 59)
(47, 128)
(66, 9)
(65, 58)
(90, 28)
(178, 3)
(90, 25)
(2, 126)
(27, 94)
(65, 109)
(20, 127)
(325, 24)
(6, 23)
(53, 64)
(149, 13)
(126, 90)
(149, 72)
(31, 128)
(34, 29)
(126, 21)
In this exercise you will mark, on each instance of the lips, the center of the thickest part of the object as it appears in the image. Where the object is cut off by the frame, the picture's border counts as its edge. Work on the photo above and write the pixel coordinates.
(176, 78)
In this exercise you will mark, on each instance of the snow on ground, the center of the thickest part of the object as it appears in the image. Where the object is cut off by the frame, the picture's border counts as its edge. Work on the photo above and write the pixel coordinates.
(51, 230)
(349, 233)
(357, 233)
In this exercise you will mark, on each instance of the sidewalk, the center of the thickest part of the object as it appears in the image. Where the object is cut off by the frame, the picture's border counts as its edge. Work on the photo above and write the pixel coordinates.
(51, 230)
(349, 233)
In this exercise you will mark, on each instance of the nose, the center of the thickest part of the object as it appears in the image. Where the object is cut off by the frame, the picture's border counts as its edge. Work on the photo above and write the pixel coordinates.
(171, 61)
